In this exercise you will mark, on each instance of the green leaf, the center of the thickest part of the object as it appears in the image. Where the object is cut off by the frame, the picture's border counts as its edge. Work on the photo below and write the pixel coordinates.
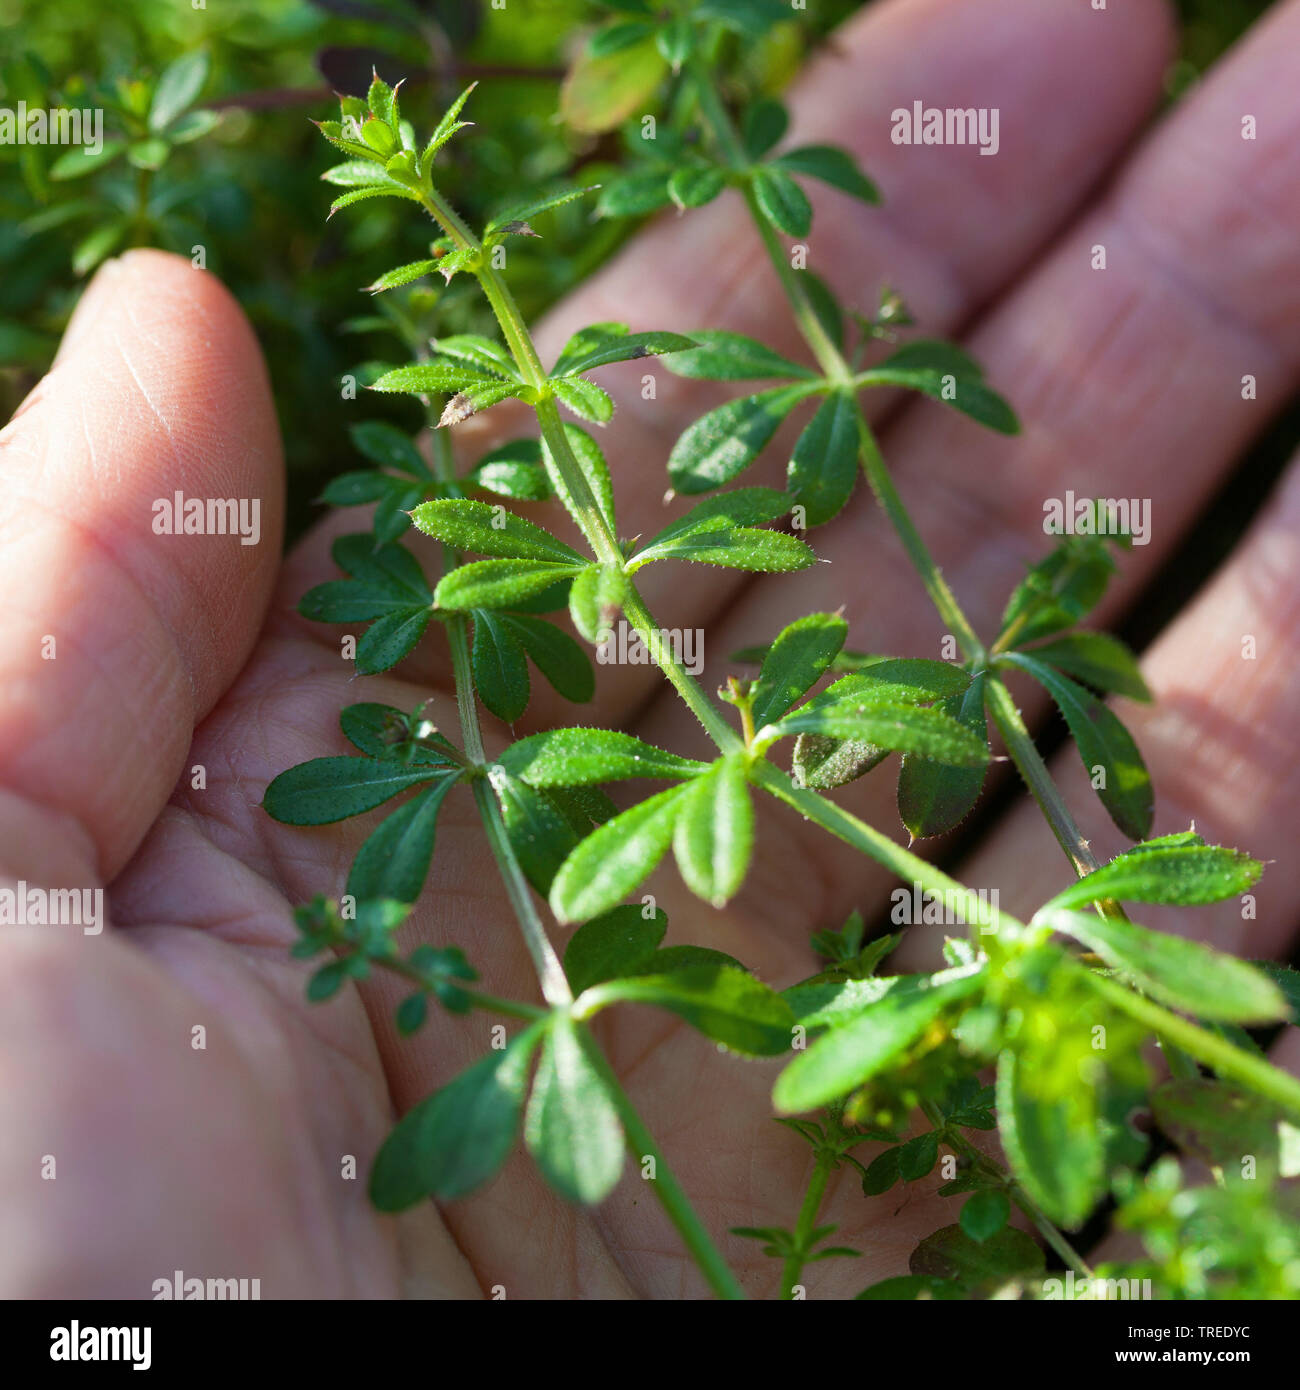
(933, 797)
(356, 489)
(331, 789)
(911, 367)
(389, 447)
(727, 440)
(1217, 1123)
(500, 667)
(358, 173)
(178, 89)
(555, 654)
(490, 529)
(1180, 869)
(591, 463)
(675, 40)
(916, 1158)
(474, 399)
(763, 126)
(855, 1051)
(446, 128)
(751, 18)
(587, 400)
(587, 757)
(824, 464)
(1182, 974)
(98, 243)
(612, 38)
(369, 727)
(782, 201)
(1098, 660)
(620, 942)
(795, 662)
(391, 639)
(77, 163)
(831, 165)
(602, 92)
(714, 834)
(882, 1173)
(1051, 1135)
(513, 470)
(455, 1140)
(1059, 590)
(1287, 980)
(194, 125)
(1104, 744)
(721, 356)
(614, 859)
(497, 583)
(725, 1004)
(604, 343)
(825, 306)
(595, 600)
(826, 763)
(327, 981)
(907, 728)
(524, 212)
(540, 833)
(572, 1128)
(402, 275)
(980, 1266)
(434, 378)
(394, 861)
(694, 185)
(633, 194)
(985, 1214)
(359, 195)
(742, 506)
(737, 547)
(478, 352)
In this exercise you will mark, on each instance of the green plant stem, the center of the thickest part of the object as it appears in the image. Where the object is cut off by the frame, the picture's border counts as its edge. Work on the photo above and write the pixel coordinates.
(726, 738)
(727, 139)
(807, 1220)
(943, 598)
(1050, 1232)
(550, 973)
(911, 868)
(1223, 1056)
(669, 1192)
(511, 1008)
(1037, 778)
(590, 518)
(554, 983)
(514, 330)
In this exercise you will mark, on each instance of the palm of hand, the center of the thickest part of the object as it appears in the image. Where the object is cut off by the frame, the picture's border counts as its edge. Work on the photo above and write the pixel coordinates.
(232, 1158)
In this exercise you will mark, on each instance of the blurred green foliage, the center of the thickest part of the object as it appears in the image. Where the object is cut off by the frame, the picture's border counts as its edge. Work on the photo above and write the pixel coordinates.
(247, 191)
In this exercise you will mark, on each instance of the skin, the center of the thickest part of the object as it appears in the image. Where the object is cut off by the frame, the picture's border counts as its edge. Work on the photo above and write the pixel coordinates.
(179, 651)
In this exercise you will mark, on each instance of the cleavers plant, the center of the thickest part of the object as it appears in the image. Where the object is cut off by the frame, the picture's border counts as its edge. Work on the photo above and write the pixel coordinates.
(864, 1051)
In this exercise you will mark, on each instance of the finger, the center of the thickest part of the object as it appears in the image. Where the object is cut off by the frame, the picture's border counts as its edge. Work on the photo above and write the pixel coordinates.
(1219, 741)
(1117, 374)
(953, 229)
(117, 637)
